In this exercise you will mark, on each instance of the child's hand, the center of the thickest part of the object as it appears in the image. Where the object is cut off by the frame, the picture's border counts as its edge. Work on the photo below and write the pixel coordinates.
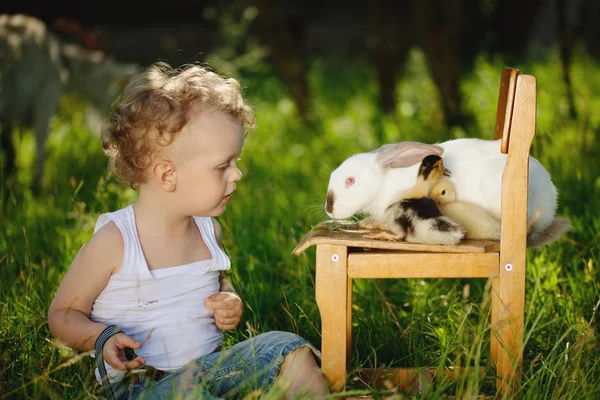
(114, 352)
(228, 309)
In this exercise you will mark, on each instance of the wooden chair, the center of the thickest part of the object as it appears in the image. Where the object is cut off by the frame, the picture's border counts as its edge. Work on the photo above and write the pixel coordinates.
(344, 256)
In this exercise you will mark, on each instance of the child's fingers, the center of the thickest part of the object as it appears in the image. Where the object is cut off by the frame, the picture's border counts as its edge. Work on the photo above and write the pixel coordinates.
(217, 297)
(227, 327)
(136, 362)
(114, 353)
(111, 356)
(122, 341)
(218, 305)
(227, 304)
(228, 313)
(212, 305)
(117, 360)
(226, 321)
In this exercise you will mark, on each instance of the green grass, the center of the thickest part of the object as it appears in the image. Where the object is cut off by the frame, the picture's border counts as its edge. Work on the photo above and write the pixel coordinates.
(286, 167)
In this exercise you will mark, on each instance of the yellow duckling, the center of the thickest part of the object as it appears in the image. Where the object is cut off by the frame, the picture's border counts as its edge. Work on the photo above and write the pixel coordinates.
(478, 222)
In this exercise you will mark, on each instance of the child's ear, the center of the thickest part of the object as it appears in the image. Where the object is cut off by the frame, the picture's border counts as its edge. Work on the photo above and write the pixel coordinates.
(164, 173)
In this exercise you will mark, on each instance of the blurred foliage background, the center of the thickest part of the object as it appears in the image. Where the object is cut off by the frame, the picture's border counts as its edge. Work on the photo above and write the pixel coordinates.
(328, 81)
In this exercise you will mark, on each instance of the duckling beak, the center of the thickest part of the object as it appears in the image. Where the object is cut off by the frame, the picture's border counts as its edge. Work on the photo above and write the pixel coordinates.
(447, 172)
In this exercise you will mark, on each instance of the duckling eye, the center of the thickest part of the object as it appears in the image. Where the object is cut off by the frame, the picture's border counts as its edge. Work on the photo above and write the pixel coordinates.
(349, 182)
(443, 192)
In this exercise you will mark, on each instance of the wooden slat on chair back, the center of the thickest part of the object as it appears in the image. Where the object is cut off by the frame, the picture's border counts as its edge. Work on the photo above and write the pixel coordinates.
(518, 131)
(506, 98)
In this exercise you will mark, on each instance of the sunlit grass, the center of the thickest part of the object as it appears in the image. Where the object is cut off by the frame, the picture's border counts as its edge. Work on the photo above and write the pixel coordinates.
(423, 323)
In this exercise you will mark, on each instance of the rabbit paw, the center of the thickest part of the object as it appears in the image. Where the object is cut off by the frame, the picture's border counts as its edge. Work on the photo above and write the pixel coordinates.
(384, 236)
(372, 224)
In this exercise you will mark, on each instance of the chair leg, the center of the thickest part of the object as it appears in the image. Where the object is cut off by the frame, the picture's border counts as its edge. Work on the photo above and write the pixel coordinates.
(495, 301)
(349, 321)
(331, 292)
(510, 333)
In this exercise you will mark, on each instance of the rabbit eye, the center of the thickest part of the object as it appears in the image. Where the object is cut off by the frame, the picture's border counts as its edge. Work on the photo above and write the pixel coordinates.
(443, 192)
(349, 182)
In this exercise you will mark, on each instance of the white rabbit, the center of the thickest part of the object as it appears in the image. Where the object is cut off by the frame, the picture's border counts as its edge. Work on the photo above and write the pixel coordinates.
(370, 182)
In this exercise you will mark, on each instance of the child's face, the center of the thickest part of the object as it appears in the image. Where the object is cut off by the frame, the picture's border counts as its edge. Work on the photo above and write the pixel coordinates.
(205, 157)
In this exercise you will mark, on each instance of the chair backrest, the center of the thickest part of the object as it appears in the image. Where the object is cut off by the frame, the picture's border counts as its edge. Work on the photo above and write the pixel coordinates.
(506, 98)
(515, 124)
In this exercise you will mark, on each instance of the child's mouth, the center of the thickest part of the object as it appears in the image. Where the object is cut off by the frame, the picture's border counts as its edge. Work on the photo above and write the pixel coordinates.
(227, 198)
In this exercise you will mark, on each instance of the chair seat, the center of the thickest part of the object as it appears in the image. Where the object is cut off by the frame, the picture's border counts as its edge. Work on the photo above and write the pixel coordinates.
(356, 239)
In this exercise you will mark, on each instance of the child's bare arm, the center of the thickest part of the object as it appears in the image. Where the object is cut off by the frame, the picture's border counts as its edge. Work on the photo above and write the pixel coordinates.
(88, 275)
(226, 304)
(68, 316)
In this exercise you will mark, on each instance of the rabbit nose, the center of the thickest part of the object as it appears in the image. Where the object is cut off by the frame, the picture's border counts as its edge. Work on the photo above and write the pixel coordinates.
(329, 202)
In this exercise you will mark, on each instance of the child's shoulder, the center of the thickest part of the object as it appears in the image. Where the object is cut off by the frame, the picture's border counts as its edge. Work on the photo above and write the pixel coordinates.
(111, 228)
(108, 237)
(118, 217)
(106, 247)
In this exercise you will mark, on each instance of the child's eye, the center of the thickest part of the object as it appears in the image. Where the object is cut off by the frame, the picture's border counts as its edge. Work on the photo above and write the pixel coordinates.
(223, 167)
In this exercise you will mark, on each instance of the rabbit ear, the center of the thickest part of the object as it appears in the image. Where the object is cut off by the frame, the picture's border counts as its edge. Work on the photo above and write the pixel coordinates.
(404, 154)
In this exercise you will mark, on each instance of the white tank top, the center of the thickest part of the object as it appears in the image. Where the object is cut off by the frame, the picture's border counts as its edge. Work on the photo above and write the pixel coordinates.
(163, 309)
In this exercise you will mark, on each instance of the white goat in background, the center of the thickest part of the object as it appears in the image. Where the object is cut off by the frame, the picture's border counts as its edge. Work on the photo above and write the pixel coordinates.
(35, 69)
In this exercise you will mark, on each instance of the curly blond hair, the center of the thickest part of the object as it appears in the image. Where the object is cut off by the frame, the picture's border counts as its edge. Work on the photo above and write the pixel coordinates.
(154, 108)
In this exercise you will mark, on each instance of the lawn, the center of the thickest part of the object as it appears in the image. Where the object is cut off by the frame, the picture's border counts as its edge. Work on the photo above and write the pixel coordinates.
(286, 165)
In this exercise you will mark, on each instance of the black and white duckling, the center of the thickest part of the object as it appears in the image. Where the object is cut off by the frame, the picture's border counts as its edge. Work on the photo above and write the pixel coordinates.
(431, 171)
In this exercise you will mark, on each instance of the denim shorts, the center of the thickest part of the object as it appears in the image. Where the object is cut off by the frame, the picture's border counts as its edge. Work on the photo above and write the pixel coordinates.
(249, 366)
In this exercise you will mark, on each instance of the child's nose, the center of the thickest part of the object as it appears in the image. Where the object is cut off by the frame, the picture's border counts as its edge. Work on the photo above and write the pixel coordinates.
(237, 175)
